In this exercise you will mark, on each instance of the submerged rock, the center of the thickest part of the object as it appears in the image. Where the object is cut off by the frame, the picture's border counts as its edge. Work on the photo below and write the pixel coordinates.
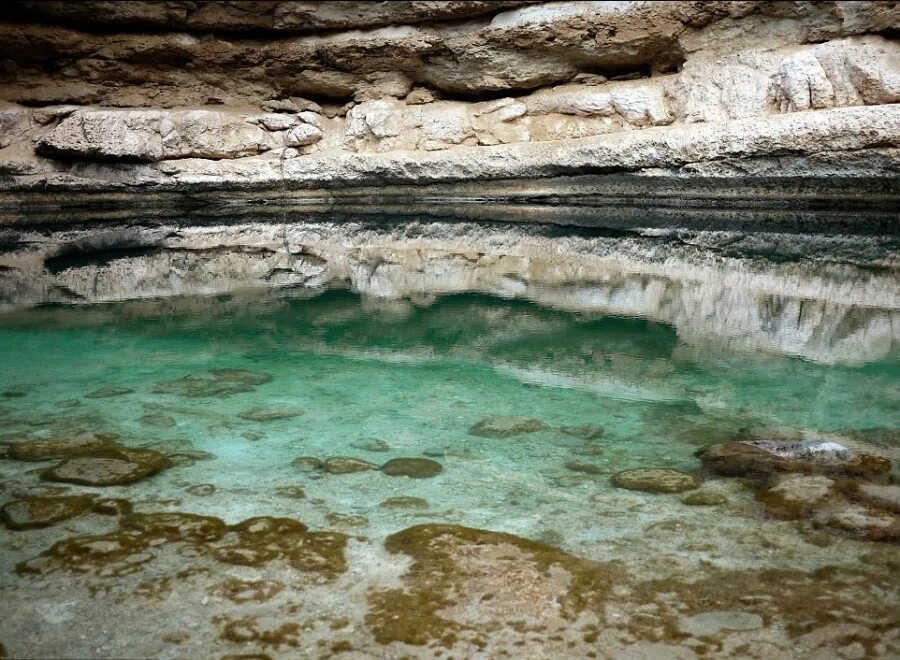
(201, 490)
(794, 496)
(112, 507)
(404, 502)
(859, 522)
(290, 492)
(655, 480)
(346, 465)
(175, 526)
(157, 421)
(109, 392)
(67, 403)
(883, 496)
(371, 444)
(188, 457)
(219, 383)
(13, 394)
(703, 498)
(61, 446)
(759, 458)
(415, 468)
(307, 463)
(108, 468)
(587, 432)
(35, 512)
(269, 415)
(506, 427)
(587, 468)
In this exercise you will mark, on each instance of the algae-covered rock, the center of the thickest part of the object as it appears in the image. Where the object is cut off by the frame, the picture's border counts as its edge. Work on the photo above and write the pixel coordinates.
(404, 502)
(188, 457)
(117, 553)
(61, 446)
(218, 383)
(760, 458)
(882, 496)
(269, 414)
(108, 393)
(36, 512)
(107, 468)
(506, 427)
(655, 480)
(346, 465)
(175, 526)
(703, 498)
(415, 468)
(112, 506)
(859, 522)
(794, 496)
(586, 432)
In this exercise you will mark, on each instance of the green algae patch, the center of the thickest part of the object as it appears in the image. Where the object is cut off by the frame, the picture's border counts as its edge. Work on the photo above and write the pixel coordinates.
(37, 512)
(115, 554)
(112, 467)
(457, 569)
(61, 446)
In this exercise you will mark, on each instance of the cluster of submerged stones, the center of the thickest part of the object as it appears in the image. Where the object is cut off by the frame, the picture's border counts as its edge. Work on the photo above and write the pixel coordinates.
(413, 467)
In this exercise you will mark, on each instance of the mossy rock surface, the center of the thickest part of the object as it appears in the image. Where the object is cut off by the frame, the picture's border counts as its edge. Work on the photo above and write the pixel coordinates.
(505, 426)
(113, 467)
(415, 468)
(655, 480)
(36, 512)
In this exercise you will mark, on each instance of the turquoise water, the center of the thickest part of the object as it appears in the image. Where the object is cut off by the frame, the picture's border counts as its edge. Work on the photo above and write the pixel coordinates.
(415, 378)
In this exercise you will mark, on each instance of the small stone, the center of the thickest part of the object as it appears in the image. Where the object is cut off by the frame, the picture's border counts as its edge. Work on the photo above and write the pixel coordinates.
(108, 468)
(587, 432)
(435, 452)
(302, 135)
(346, 465)
(419, 96)
(587, 468)
(404, 502)
(290, 492)
(712, 623)
(415, 468)
(109, 392)
(36, 512)
(794, 496)
(307, 463)
(201, 490)
(703, 498)
(506, 426)
(345, 520)
(157, 421)
(67, 403)
(269, 415)
(371, 444)
(655, 480)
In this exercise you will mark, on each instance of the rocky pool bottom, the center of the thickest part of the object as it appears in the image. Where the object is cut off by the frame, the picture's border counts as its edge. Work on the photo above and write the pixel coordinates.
(279, 475)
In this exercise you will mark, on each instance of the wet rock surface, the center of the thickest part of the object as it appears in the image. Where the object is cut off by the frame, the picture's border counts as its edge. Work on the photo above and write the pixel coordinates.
(62, 446)
(655, 480)
(112, 467)
(415, 468)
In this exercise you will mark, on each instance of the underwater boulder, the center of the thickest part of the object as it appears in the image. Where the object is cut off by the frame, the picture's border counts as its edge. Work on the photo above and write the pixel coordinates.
(218, 383)
(107, 468)
(858, 522)
(883, 496)
(506, 426)
(36, 512)
(415, 468)
(655, 480)
(307, 463)
(760, 458)
(795, 496)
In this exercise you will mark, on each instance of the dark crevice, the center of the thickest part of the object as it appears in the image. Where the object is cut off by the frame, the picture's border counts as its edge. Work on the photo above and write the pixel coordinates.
(81, 257)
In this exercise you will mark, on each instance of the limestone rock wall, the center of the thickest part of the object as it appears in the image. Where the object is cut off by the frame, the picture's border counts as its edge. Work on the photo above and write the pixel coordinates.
(226, 81)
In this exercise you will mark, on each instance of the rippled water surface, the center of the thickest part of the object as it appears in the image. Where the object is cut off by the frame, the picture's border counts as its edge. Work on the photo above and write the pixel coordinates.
(337, 376)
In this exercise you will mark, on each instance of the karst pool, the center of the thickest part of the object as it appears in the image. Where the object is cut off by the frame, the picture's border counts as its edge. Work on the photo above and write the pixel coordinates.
(284, 475)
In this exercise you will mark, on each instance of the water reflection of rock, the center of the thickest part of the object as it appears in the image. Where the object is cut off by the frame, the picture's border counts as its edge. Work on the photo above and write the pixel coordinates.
(812, 308)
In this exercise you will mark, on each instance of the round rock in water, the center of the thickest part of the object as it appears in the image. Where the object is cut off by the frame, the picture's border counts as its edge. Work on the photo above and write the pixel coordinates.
(415, 468)
(655, 480)
(506, 427)
(346, 465)
(109, 468)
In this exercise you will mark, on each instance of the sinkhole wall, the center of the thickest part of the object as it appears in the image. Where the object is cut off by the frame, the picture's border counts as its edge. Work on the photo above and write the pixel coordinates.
(149, 148)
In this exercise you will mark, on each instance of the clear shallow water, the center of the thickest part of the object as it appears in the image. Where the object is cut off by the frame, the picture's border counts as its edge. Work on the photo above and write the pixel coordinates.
(417, 379)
